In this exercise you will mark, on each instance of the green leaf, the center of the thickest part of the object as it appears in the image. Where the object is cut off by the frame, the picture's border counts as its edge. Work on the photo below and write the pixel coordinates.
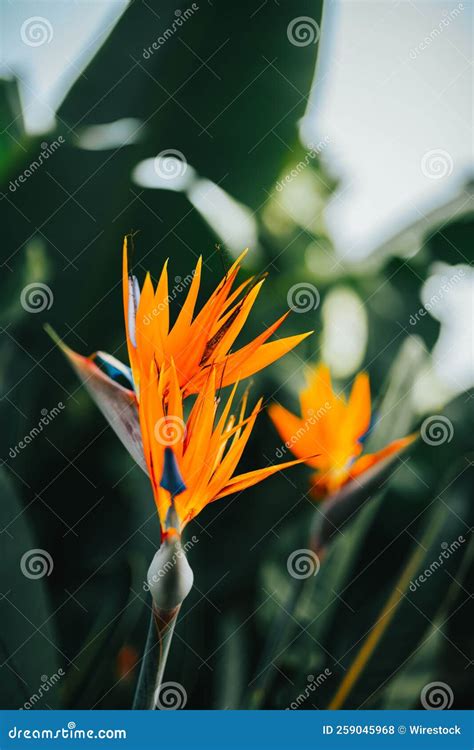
(29, 655)
(458, 646)
(116, 620)
(404, 621)
(339, 509)
(394, 413)
(228, 113)
(12, 137)
(363, 572)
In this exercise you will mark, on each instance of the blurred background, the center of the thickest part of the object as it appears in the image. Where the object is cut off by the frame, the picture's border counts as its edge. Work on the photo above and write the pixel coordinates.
(335, 143)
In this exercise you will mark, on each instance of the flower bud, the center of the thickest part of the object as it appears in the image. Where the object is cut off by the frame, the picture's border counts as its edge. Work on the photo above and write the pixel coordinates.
(170, 577)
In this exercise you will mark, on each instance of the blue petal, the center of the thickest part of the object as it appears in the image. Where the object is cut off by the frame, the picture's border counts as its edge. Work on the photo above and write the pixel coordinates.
(171, 479)
(364, 436)
(114, 368)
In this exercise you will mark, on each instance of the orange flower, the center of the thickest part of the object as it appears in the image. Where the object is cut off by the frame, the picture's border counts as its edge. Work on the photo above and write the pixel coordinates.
(197, 341)
(333, 428)
(206, 448)
(144, 403)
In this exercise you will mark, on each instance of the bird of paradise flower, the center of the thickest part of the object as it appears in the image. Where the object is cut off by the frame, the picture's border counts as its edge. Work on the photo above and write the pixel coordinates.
(331, 431)
(167, 365)
(191, 462)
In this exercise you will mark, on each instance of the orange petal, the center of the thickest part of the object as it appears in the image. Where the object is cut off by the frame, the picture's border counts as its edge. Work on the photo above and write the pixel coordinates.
(229, 463)
(318, 396)
(218, 298)
(191, 350)
(228, 309)
(160, 312)
(230, 329)
(216, 446)
(199, 431)
(295, 433)
(370, 459)
(185, 317)
(357, 420)
(242, 363)
(145, 322)
(319, 388)
(243, 481)
(154, 428)
(175, 407)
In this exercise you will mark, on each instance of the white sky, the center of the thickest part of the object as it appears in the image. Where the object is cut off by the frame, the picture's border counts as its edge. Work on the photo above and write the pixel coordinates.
(73, 31)
(384, 103)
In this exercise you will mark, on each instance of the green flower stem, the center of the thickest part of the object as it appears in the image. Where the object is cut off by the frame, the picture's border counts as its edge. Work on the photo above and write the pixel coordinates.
(160, 635)
(170, 579)
(284, 623)
(279, 635)
(165, 622)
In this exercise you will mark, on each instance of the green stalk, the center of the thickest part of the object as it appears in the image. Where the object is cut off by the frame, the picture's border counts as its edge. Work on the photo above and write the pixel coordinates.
(160, 635)
(284, 623)
(170, 579)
